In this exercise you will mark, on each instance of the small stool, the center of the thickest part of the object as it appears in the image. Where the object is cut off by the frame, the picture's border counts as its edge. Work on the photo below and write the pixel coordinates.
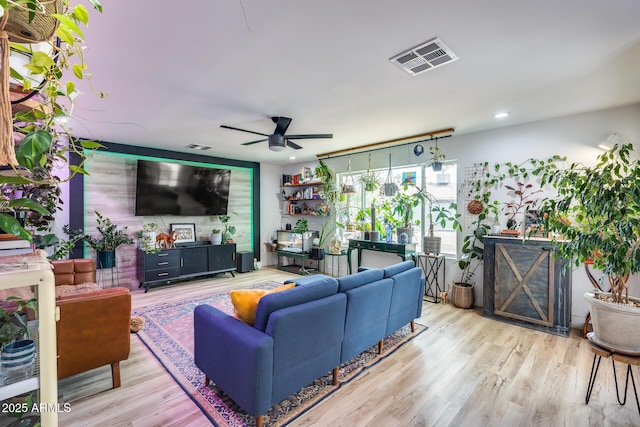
(598, 354)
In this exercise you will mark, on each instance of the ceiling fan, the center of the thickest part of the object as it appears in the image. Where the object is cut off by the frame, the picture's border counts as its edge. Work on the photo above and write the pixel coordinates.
(278, 140)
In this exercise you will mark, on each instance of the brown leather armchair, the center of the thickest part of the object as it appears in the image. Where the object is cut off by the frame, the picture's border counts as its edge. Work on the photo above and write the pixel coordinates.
(93, 329)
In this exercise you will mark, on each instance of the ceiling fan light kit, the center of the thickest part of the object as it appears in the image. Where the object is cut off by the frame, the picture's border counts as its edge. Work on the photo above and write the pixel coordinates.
(278, 141)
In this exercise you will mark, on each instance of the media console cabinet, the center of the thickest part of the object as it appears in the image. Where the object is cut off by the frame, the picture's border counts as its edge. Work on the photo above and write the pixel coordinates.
(184, 263)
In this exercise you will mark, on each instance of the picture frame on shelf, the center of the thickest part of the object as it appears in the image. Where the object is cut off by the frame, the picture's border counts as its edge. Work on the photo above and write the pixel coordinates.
(185, 232)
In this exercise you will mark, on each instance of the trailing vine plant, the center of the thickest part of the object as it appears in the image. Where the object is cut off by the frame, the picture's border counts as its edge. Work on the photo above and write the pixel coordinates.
(43, 140)
(480, 187)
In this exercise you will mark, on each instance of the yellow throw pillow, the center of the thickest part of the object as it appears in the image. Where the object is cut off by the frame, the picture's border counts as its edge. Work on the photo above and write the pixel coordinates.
(245, 301)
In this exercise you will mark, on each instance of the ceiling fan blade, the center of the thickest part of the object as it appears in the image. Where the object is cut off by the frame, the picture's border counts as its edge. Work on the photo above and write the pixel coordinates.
(311, 136)
(293, 145)
(243, 130)
(253, 142)
(282, 123)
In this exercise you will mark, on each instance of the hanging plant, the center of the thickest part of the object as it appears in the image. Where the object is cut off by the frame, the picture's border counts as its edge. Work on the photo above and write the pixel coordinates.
(437, 157)
(390, 187)
(349, 185)
(370, 180)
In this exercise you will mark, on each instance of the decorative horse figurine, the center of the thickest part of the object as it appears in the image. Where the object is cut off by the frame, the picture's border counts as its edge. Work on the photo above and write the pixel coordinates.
(166, 240)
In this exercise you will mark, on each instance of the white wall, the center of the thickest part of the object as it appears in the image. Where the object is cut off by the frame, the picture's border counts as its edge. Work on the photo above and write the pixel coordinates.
(576, 137)
(270, 218)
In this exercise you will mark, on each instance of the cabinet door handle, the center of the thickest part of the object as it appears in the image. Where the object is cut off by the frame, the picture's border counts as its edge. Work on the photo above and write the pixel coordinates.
(163, 254)
(181, 262)
(164, 263)
(233, 256)
(163, 274)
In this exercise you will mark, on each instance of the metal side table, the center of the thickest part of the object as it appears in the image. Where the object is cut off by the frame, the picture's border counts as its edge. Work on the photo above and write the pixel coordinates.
(432, 265)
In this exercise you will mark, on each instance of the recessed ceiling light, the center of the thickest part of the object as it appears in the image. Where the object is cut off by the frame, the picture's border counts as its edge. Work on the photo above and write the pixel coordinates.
(604, 147)
(501, 115)
(292, 157)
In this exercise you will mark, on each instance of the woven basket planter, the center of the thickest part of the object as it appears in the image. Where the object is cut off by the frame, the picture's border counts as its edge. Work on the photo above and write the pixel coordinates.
(462, 295)
(614, 325)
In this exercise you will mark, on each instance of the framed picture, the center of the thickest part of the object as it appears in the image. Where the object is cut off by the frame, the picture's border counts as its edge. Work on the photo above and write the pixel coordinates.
(185, 232)
(409, 177)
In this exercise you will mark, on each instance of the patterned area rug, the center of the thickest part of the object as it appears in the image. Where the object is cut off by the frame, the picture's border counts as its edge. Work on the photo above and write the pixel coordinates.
(168, 333)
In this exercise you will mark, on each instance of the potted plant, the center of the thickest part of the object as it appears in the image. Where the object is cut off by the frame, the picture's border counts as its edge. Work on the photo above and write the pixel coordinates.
(431, 243)
(370, 181)
(402, 206)
(13, 322)
(147, 238)
(18, 349)
(329, 188)
(108, 240)
(437, 157)
(301, 226)
(229, 230)
(595, 215)
(521, 203)
(41, 140)
(216, 236)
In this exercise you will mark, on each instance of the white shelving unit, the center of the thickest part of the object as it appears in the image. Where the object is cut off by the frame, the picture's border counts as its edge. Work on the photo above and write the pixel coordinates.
(39, 275)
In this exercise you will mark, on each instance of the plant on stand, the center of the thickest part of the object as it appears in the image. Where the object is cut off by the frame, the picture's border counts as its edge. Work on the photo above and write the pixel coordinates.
(108, 240)
(596, 216)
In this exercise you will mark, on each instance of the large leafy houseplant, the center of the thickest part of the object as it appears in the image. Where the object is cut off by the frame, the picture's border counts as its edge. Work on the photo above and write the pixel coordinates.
(109, 236)
(43, 139)
(597, 214)
(596, 218)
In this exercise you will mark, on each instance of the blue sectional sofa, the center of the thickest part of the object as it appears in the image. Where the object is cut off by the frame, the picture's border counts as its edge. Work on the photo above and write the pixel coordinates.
(302, 333)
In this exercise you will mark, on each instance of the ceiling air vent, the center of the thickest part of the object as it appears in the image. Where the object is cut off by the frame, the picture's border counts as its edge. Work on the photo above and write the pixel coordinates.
(427, 56)
(198, 147)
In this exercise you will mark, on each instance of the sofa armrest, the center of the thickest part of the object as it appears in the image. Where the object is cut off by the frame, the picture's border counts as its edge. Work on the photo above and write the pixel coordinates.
(93, 330)
(235, 356)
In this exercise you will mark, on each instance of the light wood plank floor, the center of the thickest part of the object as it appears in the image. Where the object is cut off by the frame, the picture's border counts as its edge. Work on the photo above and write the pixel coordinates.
(466, 370)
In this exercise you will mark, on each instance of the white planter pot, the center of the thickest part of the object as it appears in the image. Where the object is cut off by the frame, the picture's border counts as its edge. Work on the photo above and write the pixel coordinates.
(614, 325)
(216, 238)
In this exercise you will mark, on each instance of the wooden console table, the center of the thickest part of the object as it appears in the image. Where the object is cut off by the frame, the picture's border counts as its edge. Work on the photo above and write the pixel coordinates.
(403, 250)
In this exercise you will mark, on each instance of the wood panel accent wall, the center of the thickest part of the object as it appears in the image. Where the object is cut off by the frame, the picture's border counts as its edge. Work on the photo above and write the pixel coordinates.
(110, 189)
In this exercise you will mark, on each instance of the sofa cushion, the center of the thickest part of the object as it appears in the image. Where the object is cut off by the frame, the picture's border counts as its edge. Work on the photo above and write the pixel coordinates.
(358, 279)
(245, 301)
(394, 269)
(324, 287)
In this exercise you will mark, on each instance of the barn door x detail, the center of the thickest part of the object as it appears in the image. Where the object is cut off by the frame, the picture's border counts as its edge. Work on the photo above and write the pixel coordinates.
(523, 290)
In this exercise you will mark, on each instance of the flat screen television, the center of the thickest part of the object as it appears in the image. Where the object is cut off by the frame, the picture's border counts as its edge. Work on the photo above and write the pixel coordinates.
(164, 188)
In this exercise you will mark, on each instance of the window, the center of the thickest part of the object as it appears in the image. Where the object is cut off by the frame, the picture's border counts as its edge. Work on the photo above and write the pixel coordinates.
(354, 208)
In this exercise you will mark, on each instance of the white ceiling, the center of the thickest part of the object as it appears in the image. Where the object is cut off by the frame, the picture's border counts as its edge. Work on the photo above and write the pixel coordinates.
(175, 71)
